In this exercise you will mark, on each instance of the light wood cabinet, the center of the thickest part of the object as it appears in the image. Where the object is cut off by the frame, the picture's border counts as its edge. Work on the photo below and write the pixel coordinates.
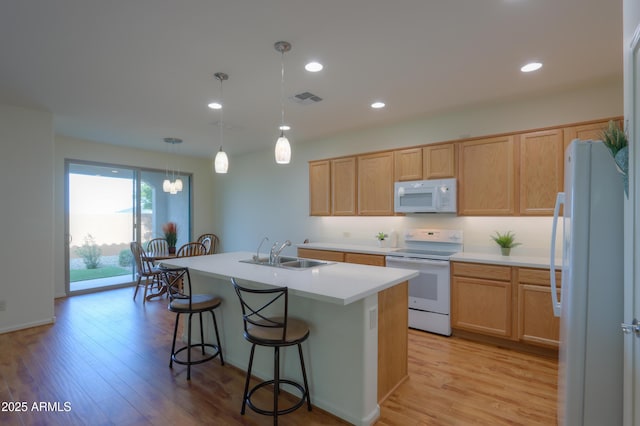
(487, 177)
(589, 131)
(541, 171)
(408, 164)
(439, 161)
(364, 259)
(320, 188)
(375, 184)
(480, 304)
(536, 323)
(343, 186)
(328, 255)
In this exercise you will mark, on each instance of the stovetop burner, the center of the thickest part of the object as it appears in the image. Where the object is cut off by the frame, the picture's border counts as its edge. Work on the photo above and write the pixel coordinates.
(437, 244)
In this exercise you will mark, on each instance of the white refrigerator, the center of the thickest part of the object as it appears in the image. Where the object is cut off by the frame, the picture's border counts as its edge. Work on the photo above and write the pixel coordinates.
(591, 296)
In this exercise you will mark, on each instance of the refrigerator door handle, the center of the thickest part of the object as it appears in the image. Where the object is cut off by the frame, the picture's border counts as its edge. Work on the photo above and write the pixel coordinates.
(555, 303)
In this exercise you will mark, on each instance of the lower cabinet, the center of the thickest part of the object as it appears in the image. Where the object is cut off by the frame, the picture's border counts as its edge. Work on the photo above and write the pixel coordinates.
(512, 303)
(481, 299)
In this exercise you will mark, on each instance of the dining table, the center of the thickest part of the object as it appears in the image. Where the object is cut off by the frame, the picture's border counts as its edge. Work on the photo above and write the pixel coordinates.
(153, 258)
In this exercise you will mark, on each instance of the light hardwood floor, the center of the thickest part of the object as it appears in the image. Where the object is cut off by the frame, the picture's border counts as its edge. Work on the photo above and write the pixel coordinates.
(107, 356)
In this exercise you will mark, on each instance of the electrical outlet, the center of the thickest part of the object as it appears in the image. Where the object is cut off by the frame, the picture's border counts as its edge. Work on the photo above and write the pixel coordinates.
(3, 305)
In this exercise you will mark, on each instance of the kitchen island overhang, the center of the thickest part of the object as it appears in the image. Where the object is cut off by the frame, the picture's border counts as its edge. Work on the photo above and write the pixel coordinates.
(340, 301)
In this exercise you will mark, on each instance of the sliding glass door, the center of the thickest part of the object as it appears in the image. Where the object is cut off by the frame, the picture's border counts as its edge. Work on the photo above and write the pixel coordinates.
(105, 204)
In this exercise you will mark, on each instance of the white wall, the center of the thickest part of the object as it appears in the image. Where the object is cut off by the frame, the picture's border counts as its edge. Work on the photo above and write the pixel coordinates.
(69, 148)
(259, 198)
(26, 168)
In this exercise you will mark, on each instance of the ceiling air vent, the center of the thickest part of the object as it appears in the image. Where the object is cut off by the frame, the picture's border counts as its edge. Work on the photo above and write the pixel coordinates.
(306, 98)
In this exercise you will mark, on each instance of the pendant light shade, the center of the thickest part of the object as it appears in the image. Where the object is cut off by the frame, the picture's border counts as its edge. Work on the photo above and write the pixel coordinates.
(175, 186)
(283, 147)
(283, 150)
(221, 161)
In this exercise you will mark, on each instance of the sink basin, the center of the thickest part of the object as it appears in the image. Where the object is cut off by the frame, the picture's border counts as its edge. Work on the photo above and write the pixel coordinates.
(302, 263)
(287, 262)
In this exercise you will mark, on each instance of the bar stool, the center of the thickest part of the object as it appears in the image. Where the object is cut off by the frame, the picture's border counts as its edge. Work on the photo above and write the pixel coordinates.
(272, 331)
(183, 301)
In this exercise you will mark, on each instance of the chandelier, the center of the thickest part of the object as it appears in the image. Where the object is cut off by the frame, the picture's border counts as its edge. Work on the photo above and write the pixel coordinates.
(171, 184)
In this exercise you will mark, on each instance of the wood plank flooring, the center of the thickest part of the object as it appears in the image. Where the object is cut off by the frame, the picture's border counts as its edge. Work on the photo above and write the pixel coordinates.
(107, 359)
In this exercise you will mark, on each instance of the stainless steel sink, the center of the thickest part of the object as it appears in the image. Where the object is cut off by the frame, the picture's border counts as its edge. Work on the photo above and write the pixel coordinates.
(302, 263)
(287, 262)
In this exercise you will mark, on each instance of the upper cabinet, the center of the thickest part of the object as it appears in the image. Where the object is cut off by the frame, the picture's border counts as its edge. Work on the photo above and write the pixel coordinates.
(343, 186)
(439, 161)
(375, 184)
(408, 164)
(320, 188)
(486, 185)
(541, 171)
(589, 131)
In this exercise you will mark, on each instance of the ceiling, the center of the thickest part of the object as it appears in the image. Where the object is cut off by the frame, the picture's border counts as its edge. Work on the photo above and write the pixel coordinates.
(133, 72)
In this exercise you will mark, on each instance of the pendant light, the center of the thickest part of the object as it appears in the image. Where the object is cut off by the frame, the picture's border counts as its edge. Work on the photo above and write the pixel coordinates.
(283, 148)
(175, 186)
(221, 162)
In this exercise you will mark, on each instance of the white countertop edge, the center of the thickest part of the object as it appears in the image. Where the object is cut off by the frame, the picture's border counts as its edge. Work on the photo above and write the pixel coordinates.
(329, 283)
(496, 259)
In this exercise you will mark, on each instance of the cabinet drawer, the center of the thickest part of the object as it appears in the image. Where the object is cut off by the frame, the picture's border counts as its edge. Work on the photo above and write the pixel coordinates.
(477, 270)
(328, 255)
(364, 259)
(537, 276)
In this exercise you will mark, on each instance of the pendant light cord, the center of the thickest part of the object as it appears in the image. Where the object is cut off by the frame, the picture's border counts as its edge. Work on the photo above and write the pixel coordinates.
(221, 116)
(282, 93)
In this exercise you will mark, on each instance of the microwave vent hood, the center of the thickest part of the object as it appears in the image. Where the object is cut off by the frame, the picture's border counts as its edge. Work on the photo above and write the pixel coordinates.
(426, 196)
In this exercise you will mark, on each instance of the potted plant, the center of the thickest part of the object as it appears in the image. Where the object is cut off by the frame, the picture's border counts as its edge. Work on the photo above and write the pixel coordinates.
(380, 236)
(506, 241)
(616, 140)
(170, 230)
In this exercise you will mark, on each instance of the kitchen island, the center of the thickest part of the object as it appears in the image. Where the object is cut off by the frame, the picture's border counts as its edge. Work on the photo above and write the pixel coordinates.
(350, 309)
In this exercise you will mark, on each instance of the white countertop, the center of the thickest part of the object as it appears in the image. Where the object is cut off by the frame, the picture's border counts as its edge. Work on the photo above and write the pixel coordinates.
(476, 257)
(340, 283)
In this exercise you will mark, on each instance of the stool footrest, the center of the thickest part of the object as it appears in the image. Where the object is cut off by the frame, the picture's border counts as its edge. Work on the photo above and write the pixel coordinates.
(174, 356)
(297, 405)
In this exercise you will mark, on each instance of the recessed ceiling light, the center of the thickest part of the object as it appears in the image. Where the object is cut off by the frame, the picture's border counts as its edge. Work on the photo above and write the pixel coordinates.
(377, 105)
(215, 105)
(313, 66)
(285, 127)
(531, 66)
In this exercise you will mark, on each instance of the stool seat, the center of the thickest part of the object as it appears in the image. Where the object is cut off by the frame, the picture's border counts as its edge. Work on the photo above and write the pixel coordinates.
(199, 302)
(262, 332)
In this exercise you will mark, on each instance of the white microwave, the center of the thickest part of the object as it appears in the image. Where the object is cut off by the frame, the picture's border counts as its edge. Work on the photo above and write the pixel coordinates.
(425, 196)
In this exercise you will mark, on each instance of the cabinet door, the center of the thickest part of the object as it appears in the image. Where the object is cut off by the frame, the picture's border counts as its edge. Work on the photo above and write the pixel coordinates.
(439, 161)
(536, 322)
(591, 131)
(320, 188)
(541, 171)
(487, 177)
(343, 186)
(375, 184)
(408, 164)
(482, 306)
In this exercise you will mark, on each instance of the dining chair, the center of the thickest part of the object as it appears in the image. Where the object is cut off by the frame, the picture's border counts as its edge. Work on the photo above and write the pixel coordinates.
(215, 242)
(276, 331)
(191, 249)
(144, 270)
(158, 245)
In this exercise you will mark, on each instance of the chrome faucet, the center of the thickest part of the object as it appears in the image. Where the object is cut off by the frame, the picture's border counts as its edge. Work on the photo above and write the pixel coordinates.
(274, 254)
(257, 256)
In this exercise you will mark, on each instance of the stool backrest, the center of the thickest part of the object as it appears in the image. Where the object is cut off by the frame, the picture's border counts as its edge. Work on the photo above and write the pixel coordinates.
(266, 308)
(177, 281)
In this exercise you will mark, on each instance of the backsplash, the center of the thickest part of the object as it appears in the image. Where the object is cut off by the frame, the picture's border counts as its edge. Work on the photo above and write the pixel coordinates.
(533, 233)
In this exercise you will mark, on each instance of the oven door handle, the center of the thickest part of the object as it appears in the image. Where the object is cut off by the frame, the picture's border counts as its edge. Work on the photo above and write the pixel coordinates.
(414, 260)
